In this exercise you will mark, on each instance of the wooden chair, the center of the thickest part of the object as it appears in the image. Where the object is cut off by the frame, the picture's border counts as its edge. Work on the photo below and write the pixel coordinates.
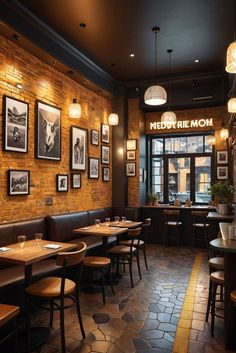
(55, 290)
(8, 314)
(172, 221)
(101, 264)
(200, 227)
(124, 254)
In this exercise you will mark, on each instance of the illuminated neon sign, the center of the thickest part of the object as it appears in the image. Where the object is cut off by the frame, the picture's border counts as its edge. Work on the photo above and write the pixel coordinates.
(184, 124)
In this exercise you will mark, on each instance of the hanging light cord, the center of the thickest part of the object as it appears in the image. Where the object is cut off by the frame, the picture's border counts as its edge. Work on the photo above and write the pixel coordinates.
(169, 51)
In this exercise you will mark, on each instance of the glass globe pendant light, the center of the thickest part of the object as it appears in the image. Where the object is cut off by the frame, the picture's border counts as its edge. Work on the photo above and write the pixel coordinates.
(156, 94)
(74, 109)
(232, 105)
(231, 58)
(113, 119)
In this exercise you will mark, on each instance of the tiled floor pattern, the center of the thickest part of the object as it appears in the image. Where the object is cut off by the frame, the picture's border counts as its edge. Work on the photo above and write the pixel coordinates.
(143, 319)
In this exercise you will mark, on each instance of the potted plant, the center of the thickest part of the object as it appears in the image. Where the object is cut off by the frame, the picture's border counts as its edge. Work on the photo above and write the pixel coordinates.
(221, 192)
(153, 198)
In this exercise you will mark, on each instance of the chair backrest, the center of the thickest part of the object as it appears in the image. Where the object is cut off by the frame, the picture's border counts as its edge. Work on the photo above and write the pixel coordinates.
(171, 215)
(72, 258)
(199, 217)
(134, 233)
(147, 221)
(146, 227)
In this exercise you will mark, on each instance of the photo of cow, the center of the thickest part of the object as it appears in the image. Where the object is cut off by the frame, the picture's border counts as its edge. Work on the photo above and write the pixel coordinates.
(78, 148)
(48, 131)
(15, 131)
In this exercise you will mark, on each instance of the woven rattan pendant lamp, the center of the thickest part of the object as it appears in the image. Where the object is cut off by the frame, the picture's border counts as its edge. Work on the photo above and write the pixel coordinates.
(156, 94)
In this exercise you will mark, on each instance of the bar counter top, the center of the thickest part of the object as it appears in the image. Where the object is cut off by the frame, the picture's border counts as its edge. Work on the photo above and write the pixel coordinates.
(181, 207)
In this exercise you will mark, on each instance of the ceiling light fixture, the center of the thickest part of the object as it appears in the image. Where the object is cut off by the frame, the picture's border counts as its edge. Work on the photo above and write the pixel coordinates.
(169, 117)
(155, 95)
(75, 109)
(232, 105)
(113, 119)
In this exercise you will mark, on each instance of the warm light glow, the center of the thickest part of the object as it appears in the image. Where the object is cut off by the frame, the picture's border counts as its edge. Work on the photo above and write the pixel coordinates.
(169, 117)
(113, 119)
(224, 133)
(211, 140)
(232, 105)
(231, 58)
(131, 55)
(74, 109)
(196, 60)
(155, 95)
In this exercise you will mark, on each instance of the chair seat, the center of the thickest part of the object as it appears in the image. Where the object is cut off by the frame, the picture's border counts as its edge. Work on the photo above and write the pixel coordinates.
(8, 312)
(218, 277)
(96, 261)
(201, 225)
(233, 296)
(121, 250)
(50, 287)
(173, 223)
(129, 242)
(217, 263)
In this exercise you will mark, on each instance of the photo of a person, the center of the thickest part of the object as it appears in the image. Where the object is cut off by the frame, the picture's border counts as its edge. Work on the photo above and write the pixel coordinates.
(62, 182)
(79, 151)
(78, 148)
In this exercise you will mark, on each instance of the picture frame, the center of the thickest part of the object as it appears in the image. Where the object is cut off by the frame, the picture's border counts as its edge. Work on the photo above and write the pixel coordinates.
(131, 155)
(94, 137)
(222, 172)
(47, 132)
(15, 125)
(131, 145)
(78, 142)
(222, 157)
(93, 170)
(105, 174)
(18, 182)
(105, 154)
(105, 133)
(62, 182)
(76, 180)
(130, 169)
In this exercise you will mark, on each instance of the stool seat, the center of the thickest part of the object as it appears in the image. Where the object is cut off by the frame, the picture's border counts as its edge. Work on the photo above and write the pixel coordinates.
(218, 277)
(136, 242)
(8, 312)
(201, 225)
(50, 287)
(121, 249)
(96, 261)
(173, 223)
(217, 263)
(233, 296)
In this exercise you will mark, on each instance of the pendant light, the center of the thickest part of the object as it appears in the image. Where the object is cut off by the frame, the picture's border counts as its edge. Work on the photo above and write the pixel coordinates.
(169, 117)
(232, 105)
(224, 133)
(231, 51)
(74, 109)
(155, 95)
(113, 119)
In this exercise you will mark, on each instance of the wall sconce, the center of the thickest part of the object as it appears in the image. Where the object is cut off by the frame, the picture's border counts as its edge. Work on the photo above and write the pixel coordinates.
(232, 105)
(224, 133)
(74, 109)
(113, 119)
(19, 85)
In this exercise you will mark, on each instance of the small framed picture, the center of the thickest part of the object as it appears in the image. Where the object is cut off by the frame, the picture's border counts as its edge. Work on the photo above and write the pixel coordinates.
(141, 175)
(222, 157)
(105, 133)
(18, 182)
(130, 169)
(131, 155)
(15, 125)
(95, 137)
(93, 168)
(105, 154)
(62, 182)
(76, 180)
(105, 174)
(131, 145)
(48, 132)
(78, 141)
(222, 172)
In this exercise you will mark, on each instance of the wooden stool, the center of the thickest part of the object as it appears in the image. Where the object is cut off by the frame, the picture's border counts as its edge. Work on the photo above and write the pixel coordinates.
(100, 264)
(8, 313)
(200, 225)
(171, 218)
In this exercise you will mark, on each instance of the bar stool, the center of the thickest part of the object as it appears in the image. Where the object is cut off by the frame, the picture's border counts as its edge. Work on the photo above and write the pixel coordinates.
(101, 264)
(171, 218)
(200, 225)
(8, 313)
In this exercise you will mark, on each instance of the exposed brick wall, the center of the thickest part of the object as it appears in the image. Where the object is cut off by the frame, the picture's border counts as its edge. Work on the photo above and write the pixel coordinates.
(40, 81)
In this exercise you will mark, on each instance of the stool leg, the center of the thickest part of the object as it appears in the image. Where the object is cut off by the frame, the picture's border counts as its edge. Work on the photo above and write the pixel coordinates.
(130, 271)
(110, 279)
(51, 313)
(145, 256)
(214, 288)
(103, 287)
(16, 336)
(138, 263)
(79, 312)
(209, 300)
(62, 326)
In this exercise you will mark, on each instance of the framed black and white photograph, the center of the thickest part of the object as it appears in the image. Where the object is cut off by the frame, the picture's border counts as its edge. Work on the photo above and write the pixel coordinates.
(76, 180)
(105, 155)
(222, 172)
(78, 148)
(62, 182)
(130, 169)
(131, 155)
(222, 157)
(18, 182)
(105, 133)
(95, 137)
(48, 131)
(93, 168)
(131, 145)
(15, 125)
(105, 173)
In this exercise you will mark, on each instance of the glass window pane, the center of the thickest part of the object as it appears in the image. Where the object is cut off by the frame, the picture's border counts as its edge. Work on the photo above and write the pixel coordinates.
(157, 146)
(175, 145)
(202, 179)
(179, 179)
(194, 144)
(208, 148)
(158, 177)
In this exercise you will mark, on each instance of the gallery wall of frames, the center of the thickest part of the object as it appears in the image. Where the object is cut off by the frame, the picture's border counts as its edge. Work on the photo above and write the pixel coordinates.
(50, 163)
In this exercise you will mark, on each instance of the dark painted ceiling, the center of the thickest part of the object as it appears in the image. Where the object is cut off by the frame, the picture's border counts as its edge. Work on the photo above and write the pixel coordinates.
(194, 29)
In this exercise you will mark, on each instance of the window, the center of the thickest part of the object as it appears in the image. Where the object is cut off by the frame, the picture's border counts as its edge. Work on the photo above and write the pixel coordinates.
(181, 167)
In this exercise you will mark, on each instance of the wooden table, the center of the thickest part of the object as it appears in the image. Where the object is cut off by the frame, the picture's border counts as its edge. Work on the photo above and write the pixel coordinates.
(126, 224)
(228, 247)
(219, 217)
